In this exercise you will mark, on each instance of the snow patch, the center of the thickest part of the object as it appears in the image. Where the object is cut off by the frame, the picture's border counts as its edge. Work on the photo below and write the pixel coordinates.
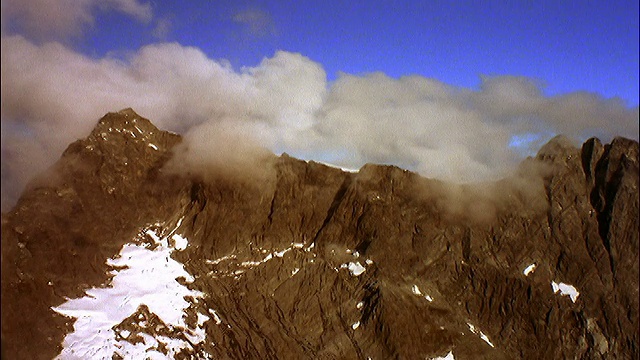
(153, 235)
(216, 318)
(180, 242)
(354, 253)
(355, 267)
(142, 277)
(486, 339)
(355, 325)
(429, 298)
(146, 349)
(152, 146)
(529, 269)
(449, 356)
(480, 333)
(179, 223)
(256, 263)
(202, 318)
(415, 290)
(566, 290)
(360, 305)
(217, 261)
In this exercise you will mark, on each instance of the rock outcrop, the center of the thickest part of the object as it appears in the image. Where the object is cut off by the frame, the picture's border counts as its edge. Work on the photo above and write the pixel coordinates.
(315, 262)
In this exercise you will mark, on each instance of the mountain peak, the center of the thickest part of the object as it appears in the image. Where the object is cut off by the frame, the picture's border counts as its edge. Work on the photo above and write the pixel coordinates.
(126, 130)
(119, 152)
(128, 112)
(318, 263)
(558, 145)
(125, 120)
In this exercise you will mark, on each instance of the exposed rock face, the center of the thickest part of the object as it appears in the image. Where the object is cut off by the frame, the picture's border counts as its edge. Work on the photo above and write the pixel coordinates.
(321, 263)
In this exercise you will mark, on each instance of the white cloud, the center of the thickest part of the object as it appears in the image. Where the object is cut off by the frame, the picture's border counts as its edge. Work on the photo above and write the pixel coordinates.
(52, 95)
(140, 11)
(61, 19)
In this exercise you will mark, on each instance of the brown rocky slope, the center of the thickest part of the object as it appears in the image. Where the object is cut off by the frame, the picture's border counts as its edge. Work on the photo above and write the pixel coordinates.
(311, 261)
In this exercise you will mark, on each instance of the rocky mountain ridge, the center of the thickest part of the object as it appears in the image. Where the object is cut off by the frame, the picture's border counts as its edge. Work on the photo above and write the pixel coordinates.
(315, 262)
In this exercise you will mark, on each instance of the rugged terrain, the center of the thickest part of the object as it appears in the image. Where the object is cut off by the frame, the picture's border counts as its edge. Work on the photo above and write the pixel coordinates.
(309, 261)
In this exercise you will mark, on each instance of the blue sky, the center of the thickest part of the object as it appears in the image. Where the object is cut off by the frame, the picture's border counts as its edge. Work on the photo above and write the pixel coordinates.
(566, 45)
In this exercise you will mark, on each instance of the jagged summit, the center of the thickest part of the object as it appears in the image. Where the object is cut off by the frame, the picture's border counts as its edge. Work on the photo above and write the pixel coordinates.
(559, 145)
(124, 119)
(121, 259)
(121, 151)
(560, 150)
(128, 123)
(128, 112)
(125, 132)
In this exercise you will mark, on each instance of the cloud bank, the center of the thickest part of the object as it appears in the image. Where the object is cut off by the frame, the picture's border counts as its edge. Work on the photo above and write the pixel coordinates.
(61, 19)
(52, 95)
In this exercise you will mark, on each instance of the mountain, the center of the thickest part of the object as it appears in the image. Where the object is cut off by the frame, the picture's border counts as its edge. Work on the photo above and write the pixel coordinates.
(111, 254)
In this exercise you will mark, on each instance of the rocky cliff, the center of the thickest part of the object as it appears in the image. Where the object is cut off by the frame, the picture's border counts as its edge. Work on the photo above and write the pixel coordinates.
(314, 262)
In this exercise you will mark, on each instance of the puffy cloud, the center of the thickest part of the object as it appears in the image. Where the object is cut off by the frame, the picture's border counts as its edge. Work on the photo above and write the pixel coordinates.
(580, 114)
(52, 95)
(61, 19)
(412, 122)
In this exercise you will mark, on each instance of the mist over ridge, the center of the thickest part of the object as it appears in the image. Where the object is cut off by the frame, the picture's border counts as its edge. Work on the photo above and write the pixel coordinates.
(345, 180)
(286, 104)
(366, 250)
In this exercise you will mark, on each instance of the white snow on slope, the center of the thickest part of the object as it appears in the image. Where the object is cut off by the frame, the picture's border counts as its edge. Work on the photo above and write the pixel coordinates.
(355, 267)
(566, 290)
(219, 260)
(449, 356)
(144, 276)
(216, 317)
(480, 333)
(270, 256)
(180, 243)
(416, 291)
(250, 262)
(529, 269)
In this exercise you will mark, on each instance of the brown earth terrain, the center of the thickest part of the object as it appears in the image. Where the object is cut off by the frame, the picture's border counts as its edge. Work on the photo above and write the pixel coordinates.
(380, 264)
